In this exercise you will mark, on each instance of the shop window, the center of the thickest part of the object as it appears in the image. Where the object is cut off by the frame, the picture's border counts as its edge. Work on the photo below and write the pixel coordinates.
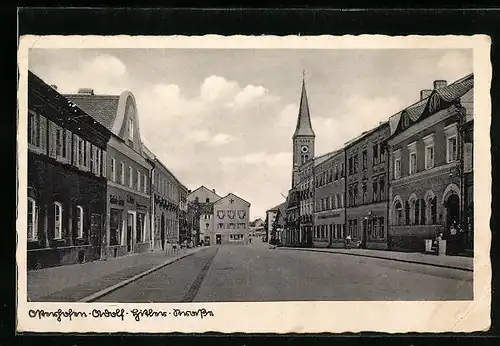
(58, 214)
(32, 219)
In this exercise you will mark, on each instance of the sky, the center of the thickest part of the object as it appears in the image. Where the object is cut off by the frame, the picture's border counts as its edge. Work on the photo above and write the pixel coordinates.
(224, 118)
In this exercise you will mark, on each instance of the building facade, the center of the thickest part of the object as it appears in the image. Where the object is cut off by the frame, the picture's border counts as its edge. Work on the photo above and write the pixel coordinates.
(66, 180)
(128, 172)
(426, 175)
(306, 189)
(366, 160)
(200, 207)
(292, 224)
(329, 211)
(230, 221)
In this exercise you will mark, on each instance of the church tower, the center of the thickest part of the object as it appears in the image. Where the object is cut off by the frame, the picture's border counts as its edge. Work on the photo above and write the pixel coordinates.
(303, 138)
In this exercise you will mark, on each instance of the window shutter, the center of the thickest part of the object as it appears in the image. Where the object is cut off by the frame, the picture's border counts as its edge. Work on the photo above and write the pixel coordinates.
(68, 145)
(88, 149)
(105, 164)
(52, 139)
(75, 150)
(43, 134)
(35, 224)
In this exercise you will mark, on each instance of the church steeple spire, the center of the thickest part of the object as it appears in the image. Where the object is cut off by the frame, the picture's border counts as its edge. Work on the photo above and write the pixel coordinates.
(304, 127)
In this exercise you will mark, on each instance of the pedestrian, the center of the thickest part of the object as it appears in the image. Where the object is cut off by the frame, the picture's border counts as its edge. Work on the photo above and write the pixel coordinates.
(453, 237)
(347, 242)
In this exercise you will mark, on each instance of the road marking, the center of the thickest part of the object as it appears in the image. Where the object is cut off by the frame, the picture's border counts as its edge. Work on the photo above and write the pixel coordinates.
(106, 291)
(195, 287)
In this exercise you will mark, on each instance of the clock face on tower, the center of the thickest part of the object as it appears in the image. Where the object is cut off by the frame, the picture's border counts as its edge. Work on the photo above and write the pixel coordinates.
(304, 149)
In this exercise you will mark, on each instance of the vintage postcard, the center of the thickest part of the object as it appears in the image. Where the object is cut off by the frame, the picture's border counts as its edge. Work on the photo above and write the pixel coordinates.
(254, 184)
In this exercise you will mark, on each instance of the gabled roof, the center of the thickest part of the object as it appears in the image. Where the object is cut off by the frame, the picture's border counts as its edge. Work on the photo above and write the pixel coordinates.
(206, 188)
(231, 195)
(102, 108)
(304, 127)
(438, 100)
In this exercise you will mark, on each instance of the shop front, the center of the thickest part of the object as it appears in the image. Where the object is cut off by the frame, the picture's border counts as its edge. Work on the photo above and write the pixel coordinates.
(368, 224)
(329, 229)
(128, 222)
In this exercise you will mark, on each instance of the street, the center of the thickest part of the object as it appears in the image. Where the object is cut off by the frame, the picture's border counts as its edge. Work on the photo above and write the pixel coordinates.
(256, 272)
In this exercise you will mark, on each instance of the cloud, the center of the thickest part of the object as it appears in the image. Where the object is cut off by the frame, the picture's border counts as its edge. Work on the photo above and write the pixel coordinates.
(250, 94)
(107, 65)
(222, 138)
(216, 87)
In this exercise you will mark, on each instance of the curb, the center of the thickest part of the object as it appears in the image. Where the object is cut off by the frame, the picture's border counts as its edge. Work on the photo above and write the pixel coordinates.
(385, 258)
(110, 289)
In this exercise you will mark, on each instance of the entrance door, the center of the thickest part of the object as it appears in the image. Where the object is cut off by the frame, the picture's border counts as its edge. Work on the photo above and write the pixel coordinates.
(95, 235)
(162, 232)
(130, 232)
(218, 239)
(452, 210)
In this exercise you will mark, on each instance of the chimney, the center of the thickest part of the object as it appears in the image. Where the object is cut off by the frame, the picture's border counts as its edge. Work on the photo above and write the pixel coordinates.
(189, 191)
(213, 190)
(438, 84)
(86, 91)
(425, 93)
(53, 86)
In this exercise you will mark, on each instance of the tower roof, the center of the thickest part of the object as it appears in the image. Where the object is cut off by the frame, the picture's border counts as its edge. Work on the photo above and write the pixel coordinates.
(304, 127)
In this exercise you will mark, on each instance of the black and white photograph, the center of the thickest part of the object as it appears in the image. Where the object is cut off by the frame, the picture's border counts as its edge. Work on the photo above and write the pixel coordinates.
(247, 174)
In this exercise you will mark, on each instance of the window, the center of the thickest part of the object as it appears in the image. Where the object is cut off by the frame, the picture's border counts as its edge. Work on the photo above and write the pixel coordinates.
(365, 159)
(32, 219)
(413, 163)
(34, 129)
(236, 237)
(81, 152)
(207, 200)
(398, 211)
(382, 190)
(375, 194)
(207, 225)
(382, 153)
(113, 169)
(429, 157)
(122, 173)
(93, 158)
(407, 213)
(342, 170)
(79, 221)
(412, 149)
(130, 129)
(355, 163)
(130, 177)
(138, 180)
(99, 160)
(220, 225)
(57, 220)
(397, 168)
(375, 154)
(451, 149)
(342, 200)
(381, 227)
(61, 143)
(451, 142)
(144, 183)
(429, 151)
(365, 194)
(350, 166)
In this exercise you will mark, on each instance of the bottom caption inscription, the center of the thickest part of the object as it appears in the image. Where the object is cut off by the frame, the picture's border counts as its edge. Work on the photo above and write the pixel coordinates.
(122, 314)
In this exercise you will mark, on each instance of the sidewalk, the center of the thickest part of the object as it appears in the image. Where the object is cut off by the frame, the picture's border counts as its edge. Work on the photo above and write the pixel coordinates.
(453, 262)
(75, 282)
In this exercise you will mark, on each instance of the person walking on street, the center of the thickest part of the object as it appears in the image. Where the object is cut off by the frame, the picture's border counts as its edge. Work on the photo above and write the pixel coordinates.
(453, 237)
(347, 243)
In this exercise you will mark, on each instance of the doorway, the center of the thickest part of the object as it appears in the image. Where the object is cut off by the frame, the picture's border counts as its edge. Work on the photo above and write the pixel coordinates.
(452, 210)
(218, 239)
(162, 231)
(130, 231)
